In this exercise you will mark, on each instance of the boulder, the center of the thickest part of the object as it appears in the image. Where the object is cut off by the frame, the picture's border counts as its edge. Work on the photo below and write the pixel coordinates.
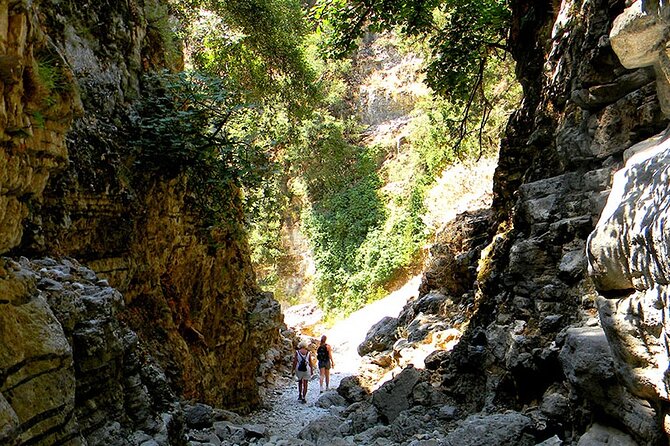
(598, 435)
(360, 417)
(380, 337)
(329, 399)
(322, 430)
(509, 429)
(588, 365)
(396, 395)
(198, 416)
(351, 390)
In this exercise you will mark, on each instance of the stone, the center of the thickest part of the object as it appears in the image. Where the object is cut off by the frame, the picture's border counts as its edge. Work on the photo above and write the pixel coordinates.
(330, 398)
(360, 417)
(226, 415)
(422, 325)
(435, 359)
(321, 430)
(380, 337)
(508, 429)
(448, 412)
(198, 416)
(351, 390)
(628, 260)
(598, 435)
(637, 35)
(226, 429)
(555, 405)
(553, 441)
(9, 422)
(573, 264)
(254, 430)
(396, 395)
(588, 364)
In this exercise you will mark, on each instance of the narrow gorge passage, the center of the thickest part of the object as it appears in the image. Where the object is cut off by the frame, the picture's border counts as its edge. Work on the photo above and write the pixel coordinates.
(283, 416)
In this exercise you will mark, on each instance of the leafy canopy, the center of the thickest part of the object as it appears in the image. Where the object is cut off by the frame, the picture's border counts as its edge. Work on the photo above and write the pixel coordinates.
(190, 122)
(255, 44)
(462, 34)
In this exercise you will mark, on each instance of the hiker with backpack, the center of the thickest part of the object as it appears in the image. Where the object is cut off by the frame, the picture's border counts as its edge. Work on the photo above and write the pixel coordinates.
(324, 355)
(301, 361)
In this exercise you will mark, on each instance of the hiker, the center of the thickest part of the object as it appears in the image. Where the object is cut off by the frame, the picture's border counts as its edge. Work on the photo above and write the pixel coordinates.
(324, 355)
(301, 361)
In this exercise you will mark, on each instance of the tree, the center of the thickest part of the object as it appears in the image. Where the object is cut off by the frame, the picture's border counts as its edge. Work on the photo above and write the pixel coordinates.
(462, 35)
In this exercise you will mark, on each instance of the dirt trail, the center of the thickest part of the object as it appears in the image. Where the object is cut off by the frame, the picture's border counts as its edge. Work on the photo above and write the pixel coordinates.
(284, 416)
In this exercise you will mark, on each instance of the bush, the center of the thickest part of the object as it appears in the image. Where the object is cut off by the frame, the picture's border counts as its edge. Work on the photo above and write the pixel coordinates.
(188, 124)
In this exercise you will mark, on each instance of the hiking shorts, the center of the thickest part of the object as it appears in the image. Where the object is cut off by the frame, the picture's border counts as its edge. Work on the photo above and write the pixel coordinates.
(324, 364)
(302, 375)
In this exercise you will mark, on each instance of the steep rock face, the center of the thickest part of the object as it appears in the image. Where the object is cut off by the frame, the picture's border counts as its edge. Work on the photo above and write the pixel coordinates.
(69, 186)
(72, 372)
(582, 109)
(628, 250)
(34, 114)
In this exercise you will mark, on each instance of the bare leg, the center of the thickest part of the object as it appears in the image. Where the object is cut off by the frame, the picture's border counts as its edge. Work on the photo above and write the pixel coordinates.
(304, 390)
(327, 373)
(322, 375)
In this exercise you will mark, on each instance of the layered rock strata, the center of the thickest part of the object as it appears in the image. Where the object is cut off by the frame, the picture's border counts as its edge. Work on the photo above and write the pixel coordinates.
(70, 81)
(72, 373)
(534, 341)
(628, 250)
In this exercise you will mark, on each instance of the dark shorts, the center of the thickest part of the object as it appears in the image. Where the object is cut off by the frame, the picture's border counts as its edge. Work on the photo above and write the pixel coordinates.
(324, 364)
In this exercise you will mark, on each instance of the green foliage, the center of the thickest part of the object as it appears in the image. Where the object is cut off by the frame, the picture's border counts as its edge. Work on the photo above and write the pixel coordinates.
(361, 239)
(462, 34)
(256, 44)
(472, 32)
(296, 153)
(190, 122)
(439, 135)
(51, 79)
(162, 28)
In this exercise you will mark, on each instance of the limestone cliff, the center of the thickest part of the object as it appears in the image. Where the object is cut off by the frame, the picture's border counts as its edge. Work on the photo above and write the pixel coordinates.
(70, 79)
(582, 109)
(534, 342)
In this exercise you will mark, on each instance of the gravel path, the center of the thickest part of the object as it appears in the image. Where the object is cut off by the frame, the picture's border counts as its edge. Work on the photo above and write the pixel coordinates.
(285, 417)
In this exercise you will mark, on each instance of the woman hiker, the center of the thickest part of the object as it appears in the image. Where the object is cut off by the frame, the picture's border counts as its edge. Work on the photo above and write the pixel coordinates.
(324, 354)
(301, 361)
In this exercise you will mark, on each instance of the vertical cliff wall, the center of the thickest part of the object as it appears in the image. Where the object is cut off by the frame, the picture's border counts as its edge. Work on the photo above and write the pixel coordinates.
(534, 342)
(71, 78)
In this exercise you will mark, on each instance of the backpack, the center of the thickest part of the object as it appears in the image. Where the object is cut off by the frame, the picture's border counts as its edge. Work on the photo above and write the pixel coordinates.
(322, 353)
(302, 363)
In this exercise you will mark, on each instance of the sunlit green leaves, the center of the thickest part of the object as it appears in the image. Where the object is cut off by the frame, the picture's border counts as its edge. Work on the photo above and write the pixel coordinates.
(462, 34)
(257, 44)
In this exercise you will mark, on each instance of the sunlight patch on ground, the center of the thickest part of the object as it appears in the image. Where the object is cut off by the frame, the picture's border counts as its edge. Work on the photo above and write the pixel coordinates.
(346, 335)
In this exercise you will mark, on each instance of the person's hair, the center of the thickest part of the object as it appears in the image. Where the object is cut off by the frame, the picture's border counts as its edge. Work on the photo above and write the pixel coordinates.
(323, 339)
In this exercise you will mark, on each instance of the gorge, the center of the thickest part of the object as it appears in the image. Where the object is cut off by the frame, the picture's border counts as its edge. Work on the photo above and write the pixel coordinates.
(126, 319)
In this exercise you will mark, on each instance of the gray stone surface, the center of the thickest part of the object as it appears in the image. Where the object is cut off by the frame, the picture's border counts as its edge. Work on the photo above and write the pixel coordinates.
(381, 336)
(478, 430)
(396, 395)
(599, 435)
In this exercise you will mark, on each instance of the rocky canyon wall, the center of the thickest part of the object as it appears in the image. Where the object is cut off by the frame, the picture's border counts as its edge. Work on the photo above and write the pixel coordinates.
(70, 82)
(534, 342)
(572, 344)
